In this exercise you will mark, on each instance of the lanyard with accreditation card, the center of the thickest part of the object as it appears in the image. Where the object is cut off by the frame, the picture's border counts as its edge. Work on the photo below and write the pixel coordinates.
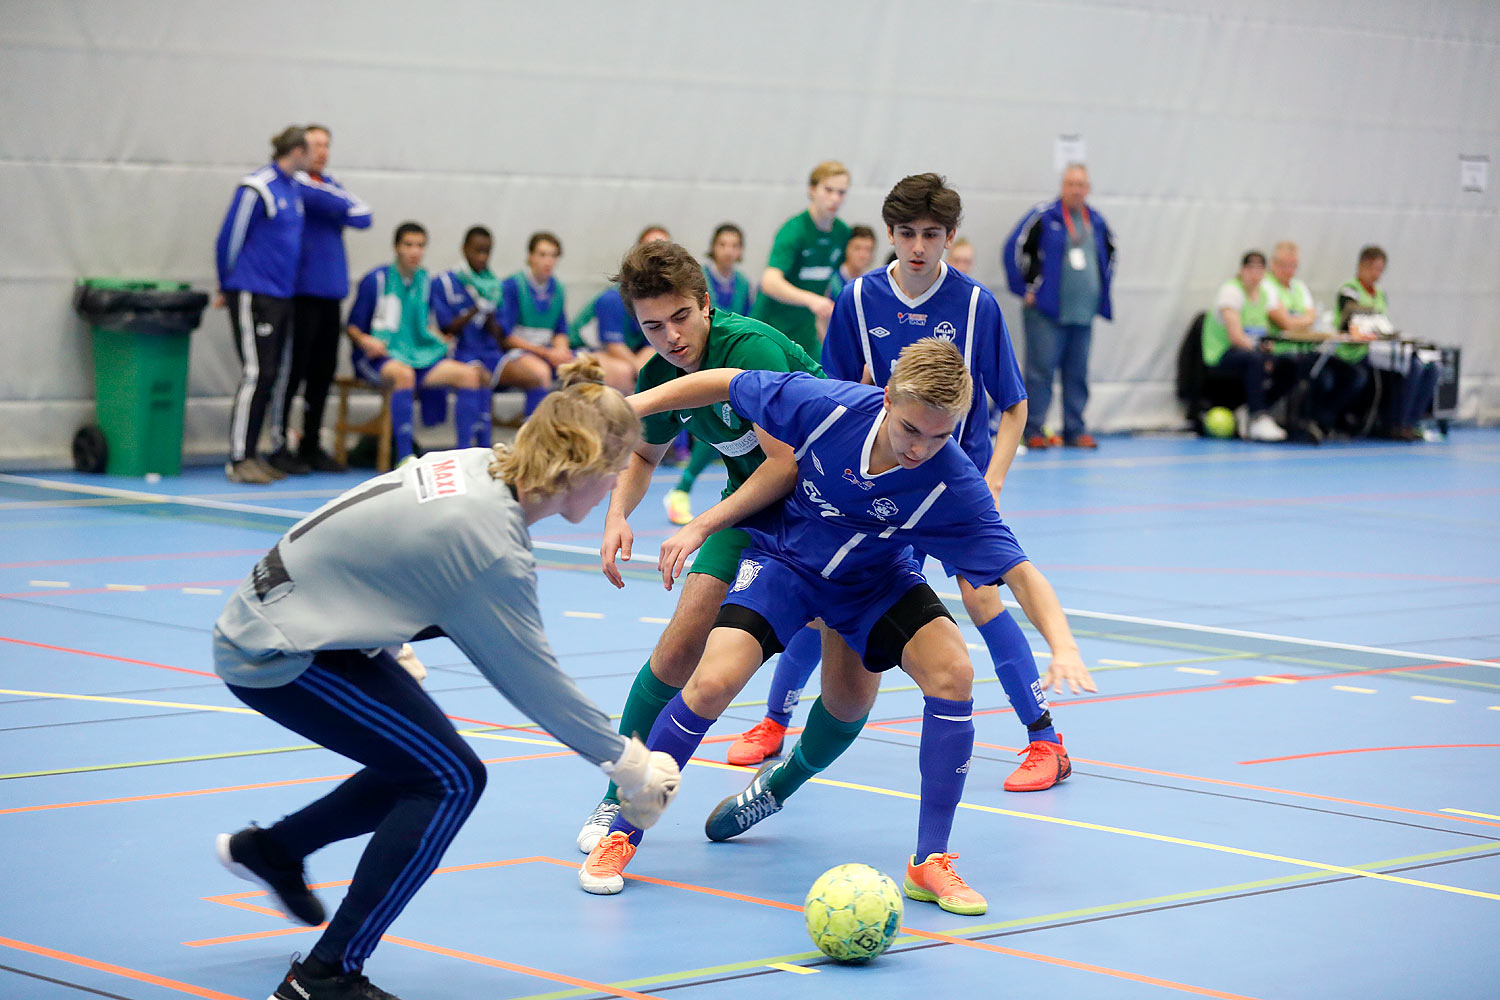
(1077, 259)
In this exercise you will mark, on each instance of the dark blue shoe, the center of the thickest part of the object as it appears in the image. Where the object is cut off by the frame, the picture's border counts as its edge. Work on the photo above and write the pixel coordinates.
(739, 813)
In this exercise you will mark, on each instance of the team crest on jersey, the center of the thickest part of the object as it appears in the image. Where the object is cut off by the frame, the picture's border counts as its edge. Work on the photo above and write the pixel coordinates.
(439, 479)
(946, 330)
(913, 319)
(814, 495)
(727, 412)
(849, 475)
(817, 464)
(749, 570)
(880, 332)
(883, 509)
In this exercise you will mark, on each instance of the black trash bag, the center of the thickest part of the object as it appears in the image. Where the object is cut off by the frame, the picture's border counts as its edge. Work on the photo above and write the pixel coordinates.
(141, 310)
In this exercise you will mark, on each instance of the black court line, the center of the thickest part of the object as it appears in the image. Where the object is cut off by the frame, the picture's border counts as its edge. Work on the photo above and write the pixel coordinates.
(90, 722)
(64, 982)
(111, 615)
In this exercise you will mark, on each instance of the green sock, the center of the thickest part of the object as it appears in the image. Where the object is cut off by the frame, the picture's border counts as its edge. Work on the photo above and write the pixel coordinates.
(702, 456)
(822, 741)
(648, 696)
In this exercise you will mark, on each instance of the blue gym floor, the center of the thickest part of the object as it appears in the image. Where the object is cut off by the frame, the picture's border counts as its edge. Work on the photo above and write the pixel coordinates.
(1286, 786)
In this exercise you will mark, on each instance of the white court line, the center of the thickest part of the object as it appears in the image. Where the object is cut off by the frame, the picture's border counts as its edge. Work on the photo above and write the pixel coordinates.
(1353, 690)
(144, 497)
(62, 584)
(582, 614)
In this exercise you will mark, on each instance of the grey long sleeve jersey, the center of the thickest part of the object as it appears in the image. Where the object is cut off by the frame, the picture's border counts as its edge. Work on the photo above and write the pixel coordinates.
(437, 544)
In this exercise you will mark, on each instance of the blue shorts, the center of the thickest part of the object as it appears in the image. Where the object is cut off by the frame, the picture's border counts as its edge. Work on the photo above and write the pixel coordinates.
(434, 402)
(788, 598)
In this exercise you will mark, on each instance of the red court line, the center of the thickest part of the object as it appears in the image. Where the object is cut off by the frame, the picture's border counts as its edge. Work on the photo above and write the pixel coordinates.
(245, 788)
(225, 554)
(1336, 753)
(54, 592)
(116, 970)
(106, 656)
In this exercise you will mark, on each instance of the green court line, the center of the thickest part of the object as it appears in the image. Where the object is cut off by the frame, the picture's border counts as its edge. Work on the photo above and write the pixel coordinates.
(152, 763)
(717, 970)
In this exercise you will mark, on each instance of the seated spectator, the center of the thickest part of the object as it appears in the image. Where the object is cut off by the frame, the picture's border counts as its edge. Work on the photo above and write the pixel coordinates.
(464, 303)
(859, 256)
(395, 343)
(533, 314)
(961, 256)
(623, 348)
(1413, 380)
(728, 287)
(1233, 341)
(1293, 325)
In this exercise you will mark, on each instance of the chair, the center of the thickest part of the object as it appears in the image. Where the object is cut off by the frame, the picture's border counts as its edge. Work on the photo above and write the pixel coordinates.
(1199, 387)
(378, 427)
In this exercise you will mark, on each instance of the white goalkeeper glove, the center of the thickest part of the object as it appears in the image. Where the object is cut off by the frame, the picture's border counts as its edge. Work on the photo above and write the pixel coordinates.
(647, 781)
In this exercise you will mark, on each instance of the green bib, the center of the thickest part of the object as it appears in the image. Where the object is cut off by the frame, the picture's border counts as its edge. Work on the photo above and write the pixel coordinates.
(1295, 300)
(534, 324)
(1253, 320)
(1364, 301)
(400, 319)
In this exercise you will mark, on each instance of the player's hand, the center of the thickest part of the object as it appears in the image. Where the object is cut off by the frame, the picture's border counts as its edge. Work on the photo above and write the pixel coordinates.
(559, 356)
(995, 487)
(822, 308)
(1067, 668)
(675, 551)
(1030, 298)
(219, 300)
(647, 781)
(618, 538)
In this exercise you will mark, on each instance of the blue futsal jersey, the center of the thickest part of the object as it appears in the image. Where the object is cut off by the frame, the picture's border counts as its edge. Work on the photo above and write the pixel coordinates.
(450, 296)
(843, 524)
(872, 321)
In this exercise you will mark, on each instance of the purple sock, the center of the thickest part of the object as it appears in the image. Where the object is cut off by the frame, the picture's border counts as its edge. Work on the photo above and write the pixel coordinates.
(678, 731)
(793, 667)
(947, 743)
(401, 418)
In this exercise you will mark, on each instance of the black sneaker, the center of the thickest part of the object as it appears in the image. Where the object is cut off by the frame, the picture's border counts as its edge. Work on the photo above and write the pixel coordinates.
(320, 461)
(288, 463)
(241, 854)
(298, 985)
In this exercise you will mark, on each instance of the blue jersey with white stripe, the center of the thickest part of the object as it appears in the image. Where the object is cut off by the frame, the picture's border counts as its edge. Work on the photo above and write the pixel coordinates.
(872, 321)
(449, 297)
(260, 242)
(843, 523)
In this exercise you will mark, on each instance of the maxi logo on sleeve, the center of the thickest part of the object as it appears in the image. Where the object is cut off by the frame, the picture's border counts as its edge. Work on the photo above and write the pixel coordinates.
(439, 479)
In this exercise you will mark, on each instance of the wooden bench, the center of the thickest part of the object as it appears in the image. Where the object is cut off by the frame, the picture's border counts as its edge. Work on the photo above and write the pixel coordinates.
(378, 427)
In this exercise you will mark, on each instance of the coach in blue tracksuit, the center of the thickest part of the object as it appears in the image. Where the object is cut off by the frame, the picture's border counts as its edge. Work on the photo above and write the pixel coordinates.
(260, 244)
(322, 285)
(1059, 259)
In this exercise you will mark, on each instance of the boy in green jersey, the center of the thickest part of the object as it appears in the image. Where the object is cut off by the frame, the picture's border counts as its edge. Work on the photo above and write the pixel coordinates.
(804, 258)
(664, 288)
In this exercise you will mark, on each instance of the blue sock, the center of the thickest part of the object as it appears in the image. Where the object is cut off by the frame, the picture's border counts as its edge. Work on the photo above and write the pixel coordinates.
(947, 744)
(484, 426)
(678, 731)
(1016, 669)
(468, 405)
(534, 399)
(401, 418)
(793, 667)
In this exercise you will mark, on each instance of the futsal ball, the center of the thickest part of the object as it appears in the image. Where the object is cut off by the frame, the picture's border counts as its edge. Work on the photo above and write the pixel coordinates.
(1219, 422)
(853, 912)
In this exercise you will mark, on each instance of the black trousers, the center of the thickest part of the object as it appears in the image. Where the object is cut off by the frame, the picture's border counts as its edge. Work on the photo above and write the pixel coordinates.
(316, 332)
(419, 783)
(262, 337)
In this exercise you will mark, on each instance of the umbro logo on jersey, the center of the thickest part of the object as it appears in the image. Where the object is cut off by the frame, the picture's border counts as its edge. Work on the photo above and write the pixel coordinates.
(817, 464)
(946, 330)
(883, 509)
(749, 570)
(913, 319)
(881, 332)
(849, 475)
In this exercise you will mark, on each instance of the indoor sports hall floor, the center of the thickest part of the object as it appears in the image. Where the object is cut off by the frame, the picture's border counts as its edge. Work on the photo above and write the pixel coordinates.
(1287, 786)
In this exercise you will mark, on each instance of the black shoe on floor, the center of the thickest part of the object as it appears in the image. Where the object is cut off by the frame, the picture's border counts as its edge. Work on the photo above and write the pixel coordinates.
(288, 463)
(298, 985)
(320, 461)
(241, 854)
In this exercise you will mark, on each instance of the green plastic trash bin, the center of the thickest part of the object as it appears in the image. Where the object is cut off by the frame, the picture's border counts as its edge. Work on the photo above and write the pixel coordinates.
(140, 331)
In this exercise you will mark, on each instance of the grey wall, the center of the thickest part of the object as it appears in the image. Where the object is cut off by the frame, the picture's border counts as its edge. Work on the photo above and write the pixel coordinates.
(1211, 127)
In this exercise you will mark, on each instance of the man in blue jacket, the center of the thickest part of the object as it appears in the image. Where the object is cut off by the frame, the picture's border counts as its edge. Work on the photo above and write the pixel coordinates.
(259, 247)
(322, 284)
(1059, 259)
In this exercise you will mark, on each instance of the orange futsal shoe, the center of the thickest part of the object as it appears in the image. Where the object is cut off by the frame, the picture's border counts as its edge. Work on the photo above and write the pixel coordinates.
(763, 740)
(603, 872)
(1037, 442)
(935, 881)
(1045, 765)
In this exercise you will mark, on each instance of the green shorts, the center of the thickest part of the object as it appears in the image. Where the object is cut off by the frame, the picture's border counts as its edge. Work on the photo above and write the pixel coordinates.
(720, 555)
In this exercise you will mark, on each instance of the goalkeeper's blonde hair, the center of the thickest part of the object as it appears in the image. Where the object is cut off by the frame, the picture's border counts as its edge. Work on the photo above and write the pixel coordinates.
(582, 428)
(932, 372)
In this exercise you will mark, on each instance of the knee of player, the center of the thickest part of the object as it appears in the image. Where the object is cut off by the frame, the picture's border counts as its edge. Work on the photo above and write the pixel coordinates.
(709, 694)
(951, 679)
(399, 375)
(983, 604)
(474, 776)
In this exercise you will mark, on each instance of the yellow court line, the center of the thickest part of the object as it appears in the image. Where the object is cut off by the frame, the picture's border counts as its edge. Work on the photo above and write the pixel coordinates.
(1197, 670)
(131, 701)
(1435, 701)
(582, 614)
(509, 739)
(788, 967)
(1143, 835)
(1465, 812)
(1353, 690)
(1272, 679)
(1121, 663)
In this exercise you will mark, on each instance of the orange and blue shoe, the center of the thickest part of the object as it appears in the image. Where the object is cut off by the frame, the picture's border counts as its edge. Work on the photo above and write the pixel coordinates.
(935, 881)
(762, 740)
(1045, 765)
(603, 872)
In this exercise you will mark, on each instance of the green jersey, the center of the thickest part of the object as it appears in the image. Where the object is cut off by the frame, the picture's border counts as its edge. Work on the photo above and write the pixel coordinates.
(733, 342)
(1353, 298)
(810, 259)
(1296, 300)
(1253, 319)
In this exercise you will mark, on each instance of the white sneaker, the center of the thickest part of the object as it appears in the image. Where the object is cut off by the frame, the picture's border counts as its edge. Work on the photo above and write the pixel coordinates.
(597, 825)
(1263, 428)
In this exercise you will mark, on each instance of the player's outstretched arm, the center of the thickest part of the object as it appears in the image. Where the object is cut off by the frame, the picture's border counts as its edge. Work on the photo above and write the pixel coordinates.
(1039, 601)
(773, 480)
(686, 393)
